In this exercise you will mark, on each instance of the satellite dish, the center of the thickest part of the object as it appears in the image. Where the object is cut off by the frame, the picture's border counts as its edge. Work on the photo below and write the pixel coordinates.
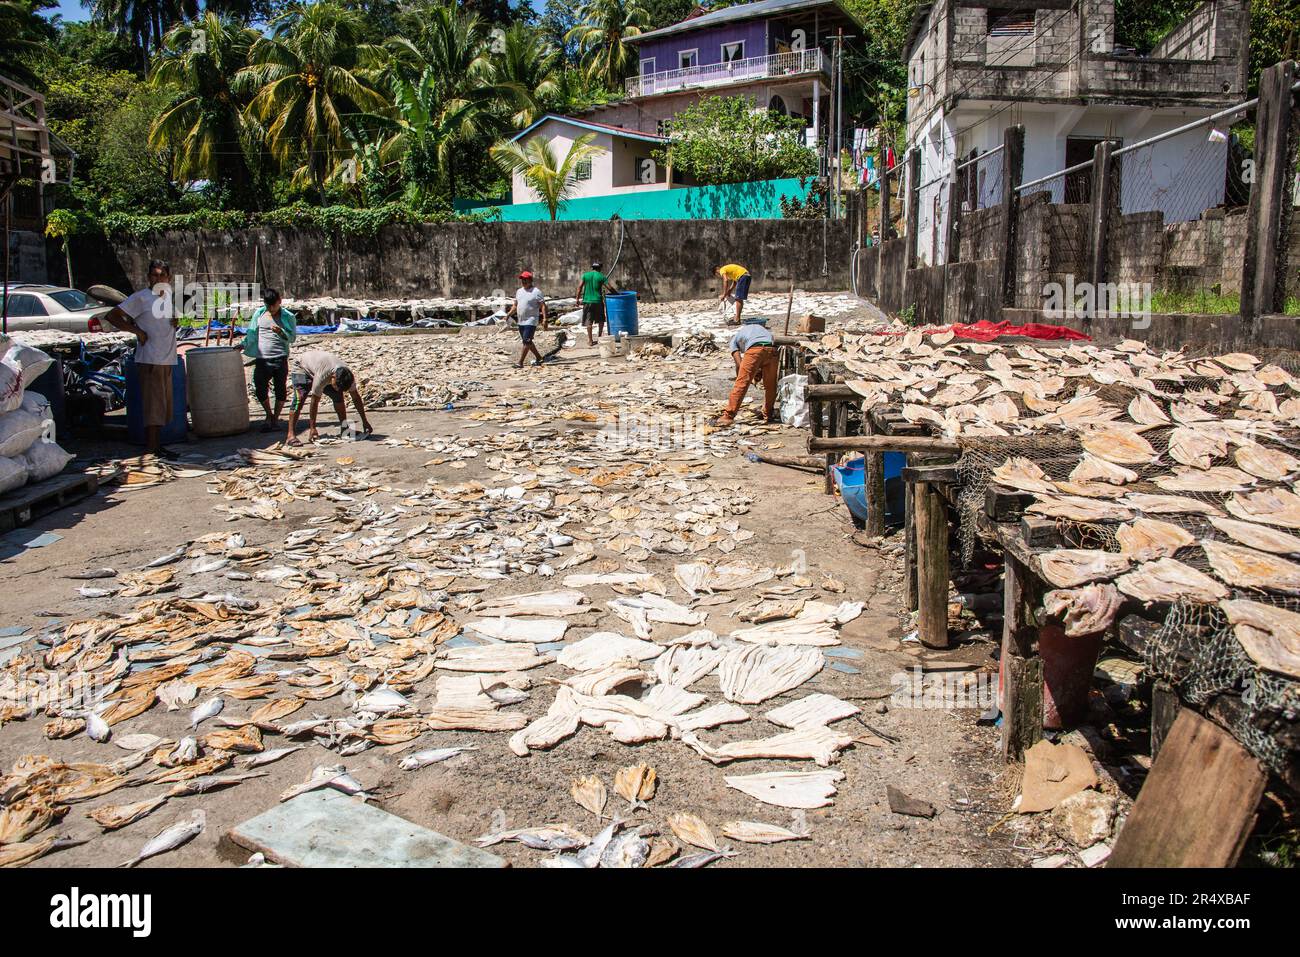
(777, 105)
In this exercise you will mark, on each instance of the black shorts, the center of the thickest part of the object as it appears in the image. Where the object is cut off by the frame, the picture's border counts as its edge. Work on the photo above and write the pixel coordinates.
(526, 333)
(593, 313)
(302, 388)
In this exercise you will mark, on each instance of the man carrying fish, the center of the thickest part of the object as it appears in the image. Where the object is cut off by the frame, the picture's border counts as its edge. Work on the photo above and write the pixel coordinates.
(271, 329)
(148, 314)
(754, 352)
(735, 286)
(317, 373)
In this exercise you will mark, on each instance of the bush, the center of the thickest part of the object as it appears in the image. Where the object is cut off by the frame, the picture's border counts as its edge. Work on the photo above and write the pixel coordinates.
(728, 140)
(341, 221)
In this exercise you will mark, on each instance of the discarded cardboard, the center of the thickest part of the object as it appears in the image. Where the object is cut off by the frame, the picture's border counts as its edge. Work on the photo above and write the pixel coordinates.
(325, 828)
(1053, 772)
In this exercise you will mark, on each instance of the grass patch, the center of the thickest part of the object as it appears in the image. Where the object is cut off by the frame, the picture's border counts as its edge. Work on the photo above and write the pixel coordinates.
(1208, 301)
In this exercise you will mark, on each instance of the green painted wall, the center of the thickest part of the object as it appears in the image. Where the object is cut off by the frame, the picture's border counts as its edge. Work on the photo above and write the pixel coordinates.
(734, 201)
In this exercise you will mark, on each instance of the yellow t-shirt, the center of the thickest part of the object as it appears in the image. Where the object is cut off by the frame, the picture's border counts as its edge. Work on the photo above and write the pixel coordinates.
(732, 272)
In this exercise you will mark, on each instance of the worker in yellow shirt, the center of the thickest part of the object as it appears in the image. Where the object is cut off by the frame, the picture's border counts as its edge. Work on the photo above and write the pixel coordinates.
(735, 284)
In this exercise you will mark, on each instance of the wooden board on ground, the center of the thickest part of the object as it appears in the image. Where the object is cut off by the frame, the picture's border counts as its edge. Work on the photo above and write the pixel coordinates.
(326, 828)
(30, 502)
(1198, 804)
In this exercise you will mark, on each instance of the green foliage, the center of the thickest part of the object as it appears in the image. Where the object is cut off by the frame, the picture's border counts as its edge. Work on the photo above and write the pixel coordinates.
(336, 221)
(813, 206)
(727, 140)
(601, 35)
(552, 179)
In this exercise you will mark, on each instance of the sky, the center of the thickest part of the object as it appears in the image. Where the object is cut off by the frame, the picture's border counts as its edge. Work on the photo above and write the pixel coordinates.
(73, 10)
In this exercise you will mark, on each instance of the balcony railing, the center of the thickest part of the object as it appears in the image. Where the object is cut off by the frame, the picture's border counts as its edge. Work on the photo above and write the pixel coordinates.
(719, 74)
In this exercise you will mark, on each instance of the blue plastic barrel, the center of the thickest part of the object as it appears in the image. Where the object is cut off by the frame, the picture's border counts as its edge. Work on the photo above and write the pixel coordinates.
(620, 312)
(850, 480)
(174, 431)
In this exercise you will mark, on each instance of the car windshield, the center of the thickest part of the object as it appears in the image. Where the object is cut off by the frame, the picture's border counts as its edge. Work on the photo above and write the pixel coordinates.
(72, 299)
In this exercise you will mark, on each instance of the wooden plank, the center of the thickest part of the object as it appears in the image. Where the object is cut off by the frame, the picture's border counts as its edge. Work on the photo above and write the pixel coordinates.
(326, 828)
(832, 392)
(931, 521)
(1022, 669)
(1198, 804)
(932, 474)
(874, 478)
(882, 443)
(1164, 711)
(1039, 532)
(30, 502)
(1004, 504)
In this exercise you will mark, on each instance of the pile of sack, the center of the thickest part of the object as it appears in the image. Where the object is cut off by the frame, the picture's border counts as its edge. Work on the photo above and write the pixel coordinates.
(28, 451)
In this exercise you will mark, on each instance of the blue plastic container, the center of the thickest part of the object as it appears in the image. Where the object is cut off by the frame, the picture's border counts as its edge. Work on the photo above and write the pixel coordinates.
(620, 313)
(850, 479)
(174, 431)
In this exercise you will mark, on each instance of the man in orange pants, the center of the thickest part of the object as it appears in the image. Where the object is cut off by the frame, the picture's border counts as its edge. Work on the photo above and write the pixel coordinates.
(754, 353)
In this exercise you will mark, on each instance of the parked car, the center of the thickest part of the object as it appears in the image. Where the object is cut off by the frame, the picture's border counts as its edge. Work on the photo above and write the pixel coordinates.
(33, 306)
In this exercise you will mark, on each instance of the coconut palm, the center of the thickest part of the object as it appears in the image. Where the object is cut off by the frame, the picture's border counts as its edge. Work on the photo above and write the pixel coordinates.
(552, 179)
(310, 81)
(143, 22)
(528, 63)
(203, 125)
(601, 36)
(21, 36)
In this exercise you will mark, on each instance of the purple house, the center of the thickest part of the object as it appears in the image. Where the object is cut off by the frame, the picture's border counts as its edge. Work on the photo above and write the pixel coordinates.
(777, 52)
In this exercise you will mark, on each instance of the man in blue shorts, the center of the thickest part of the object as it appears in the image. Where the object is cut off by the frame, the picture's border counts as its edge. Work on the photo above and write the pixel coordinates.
(529, 308)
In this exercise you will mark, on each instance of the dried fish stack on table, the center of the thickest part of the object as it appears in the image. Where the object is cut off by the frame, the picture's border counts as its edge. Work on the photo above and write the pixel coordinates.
(1170, 479)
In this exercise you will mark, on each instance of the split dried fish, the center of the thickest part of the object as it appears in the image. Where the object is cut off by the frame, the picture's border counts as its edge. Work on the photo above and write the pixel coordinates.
(1168, 579)
(754, 832)
(590, 794)
(636, 784)
(811, 742)
(1119, 446)
(1248, 568)
(794, 789)
(1270, 634)
(1070, 567)
(114, 816)
(1084, 611)
(1266, 463)
(752, 674)
(171, 838)
(1146, 539)
(692, 830)
(1258, 536)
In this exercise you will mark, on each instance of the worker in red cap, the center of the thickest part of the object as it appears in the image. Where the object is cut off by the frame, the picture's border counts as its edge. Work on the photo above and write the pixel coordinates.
(529, 307)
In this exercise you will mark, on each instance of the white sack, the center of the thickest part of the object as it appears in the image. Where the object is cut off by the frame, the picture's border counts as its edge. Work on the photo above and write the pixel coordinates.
(45, 460)
(18, 430)
(13, 474)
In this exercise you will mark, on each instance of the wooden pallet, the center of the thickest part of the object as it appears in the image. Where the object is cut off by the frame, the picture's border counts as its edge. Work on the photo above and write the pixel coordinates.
(40, 498)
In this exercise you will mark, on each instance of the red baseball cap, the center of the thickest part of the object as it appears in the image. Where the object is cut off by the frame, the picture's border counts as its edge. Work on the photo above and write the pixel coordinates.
(525, 275)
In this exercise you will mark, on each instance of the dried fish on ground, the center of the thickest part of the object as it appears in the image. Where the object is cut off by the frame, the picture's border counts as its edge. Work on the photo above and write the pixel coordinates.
(1146, 539)
(590, 794)
(473, 719)
(755, 832)
(422, 759)
(491, 658)
(1270, 634)
(1084, 611)
(683, 665)
(636, 784)
(808, 742)
(1258, 536)
(114, 816)
(794, 789)
(603, 648)
(1168, 579)
(552, 837)
(535, 630)
(814, 710)
(692, 830)
(1248, 568)
(550, 604)
(1070, 567)
(752, 674)
(171, 838)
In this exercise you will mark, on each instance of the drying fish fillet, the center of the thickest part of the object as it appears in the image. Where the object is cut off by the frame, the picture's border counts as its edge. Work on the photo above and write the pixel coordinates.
(656, 608)
(544, 603)
(635, 783)
(559, 722)
(1022, 475)
(1079, 509)
(113, 816)
(603, 648)
(1272, 506)
(724, 712)
(753, 673)
(1118, 445)
(473, 719)
(1247, 568)
(1168, 579)
(614, 579)
(696, 577)
(1270, 635)
(810, 742)
(491, 658)
(1258, 536)
(815, 710)
(1145, 411)
(1147, 539)
(791, 631)
(682, 665)
(692, 830)
(1094, 469)
(1068, 567)
(1218, 478)
(1238, 361)
(1084, 611)
(1193, 447)
(755, 832)
(535, 630)
(797, 789)
(1169, 504)
(590, 794)
(1266, 463)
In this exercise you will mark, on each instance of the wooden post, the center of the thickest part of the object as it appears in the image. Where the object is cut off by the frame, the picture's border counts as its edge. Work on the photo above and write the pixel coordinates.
(789, 304)
(832, 426)
(1277, 128)
(931, 521)
(910, 597)
(1022, 669)
(913, 206)
(1013, 171)
(1103, 178)
(874, 476)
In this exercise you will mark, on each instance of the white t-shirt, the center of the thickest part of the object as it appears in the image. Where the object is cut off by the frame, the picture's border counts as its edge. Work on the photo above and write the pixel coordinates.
(528, 305)
(153, 314)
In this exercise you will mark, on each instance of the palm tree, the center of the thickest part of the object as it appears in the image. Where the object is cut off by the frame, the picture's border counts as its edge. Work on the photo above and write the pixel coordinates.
(203, 125)
(526, 61)
(21, 35)
(310, 81)
(143, 22)
(601, 35)
(552, 180)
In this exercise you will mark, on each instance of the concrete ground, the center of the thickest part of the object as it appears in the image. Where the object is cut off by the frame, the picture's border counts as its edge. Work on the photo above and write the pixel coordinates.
(939, 756)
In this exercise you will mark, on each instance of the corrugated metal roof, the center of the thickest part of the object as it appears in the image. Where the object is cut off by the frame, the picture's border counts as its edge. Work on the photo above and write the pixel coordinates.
(594, 127)
(744, 11)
